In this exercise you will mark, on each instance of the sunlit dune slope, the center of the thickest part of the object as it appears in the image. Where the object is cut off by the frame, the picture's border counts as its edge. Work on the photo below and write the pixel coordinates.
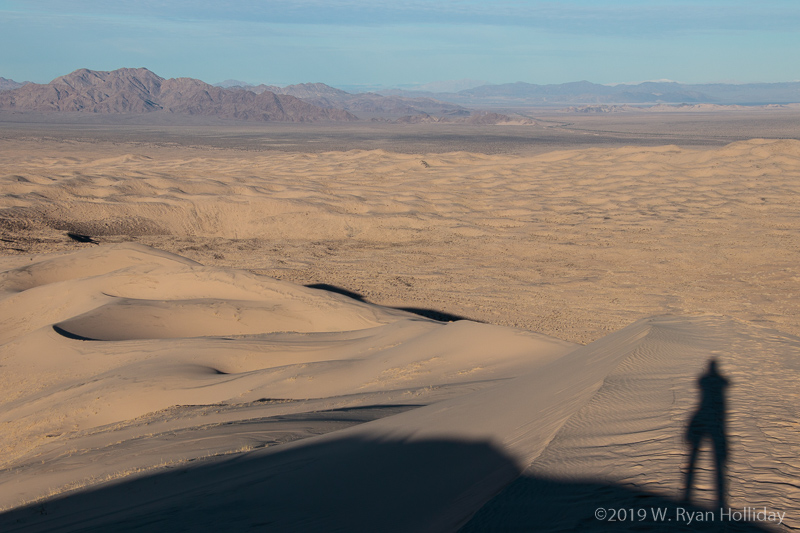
(141, 389)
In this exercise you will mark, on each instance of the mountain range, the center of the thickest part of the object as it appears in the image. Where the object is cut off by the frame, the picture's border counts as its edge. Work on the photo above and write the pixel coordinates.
(365, 104)
(584, 92)
(138, 90)
(9, 85)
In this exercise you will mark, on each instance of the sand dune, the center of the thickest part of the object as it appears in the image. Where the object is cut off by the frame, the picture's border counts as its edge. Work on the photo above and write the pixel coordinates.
(142, 383)
(590, 240)
(142, 389)
(86, 346)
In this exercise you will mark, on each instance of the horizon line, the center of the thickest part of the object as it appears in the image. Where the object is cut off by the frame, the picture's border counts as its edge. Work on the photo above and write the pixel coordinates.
(416, 86)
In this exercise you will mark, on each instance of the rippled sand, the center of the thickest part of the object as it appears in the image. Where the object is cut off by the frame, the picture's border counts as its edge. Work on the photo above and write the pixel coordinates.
(176, 373)
(573, 244)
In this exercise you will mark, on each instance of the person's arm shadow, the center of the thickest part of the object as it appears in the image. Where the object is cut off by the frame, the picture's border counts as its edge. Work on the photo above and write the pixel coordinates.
(709, 422)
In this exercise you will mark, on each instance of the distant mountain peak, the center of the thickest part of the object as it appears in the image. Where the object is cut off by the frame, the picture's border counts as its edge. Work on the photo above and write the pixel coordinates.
(313, 90)
(662, 80)
(451, 86)
(9, 85)
(227, 84)
(86, 77)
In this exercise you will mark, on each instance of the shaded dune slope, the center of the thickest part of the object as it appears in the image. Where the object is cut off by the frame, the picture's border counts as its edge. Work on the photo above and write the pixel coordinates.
(94, 340)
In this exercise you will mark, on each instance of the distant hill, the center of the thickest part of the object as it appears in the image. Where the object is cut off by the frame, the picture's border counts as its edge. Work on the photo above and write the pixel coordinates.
(9, 85)
(329, 97)
(584, 92)
(139, 90)
(227, 84)
(451, 86)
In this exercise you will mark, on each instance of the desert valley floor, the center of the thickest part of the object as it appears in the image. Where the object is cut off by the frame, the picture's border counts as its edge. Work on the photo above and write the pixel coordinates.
(479, 328)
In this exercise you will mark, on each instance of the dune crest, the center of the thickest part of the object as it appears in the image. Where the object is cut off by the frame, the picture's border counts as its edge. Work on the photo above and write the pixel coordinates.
(264, 393)
(109, 334)
(591, 239)
(190, 338)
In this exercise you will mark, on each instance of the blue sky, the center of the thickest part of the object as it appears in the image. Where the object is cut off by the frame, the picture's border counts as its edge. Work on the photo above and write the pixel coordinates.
(390, 43)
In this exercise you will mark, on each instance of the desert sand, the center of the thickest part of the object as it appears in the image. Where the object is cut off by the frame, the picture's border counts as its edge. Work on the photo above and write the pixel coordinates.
(188, 372)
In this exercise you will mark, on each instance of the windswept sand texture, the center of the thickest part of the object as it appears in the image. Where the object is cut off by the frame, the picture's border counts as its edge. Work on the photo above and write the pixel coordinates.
(142, 390)
(179, 376)
(573, 244)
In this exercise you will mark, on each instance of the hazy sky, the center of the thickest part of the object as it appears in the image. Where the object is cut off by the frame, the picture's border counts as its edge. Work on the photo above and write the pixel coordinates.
(377, 42)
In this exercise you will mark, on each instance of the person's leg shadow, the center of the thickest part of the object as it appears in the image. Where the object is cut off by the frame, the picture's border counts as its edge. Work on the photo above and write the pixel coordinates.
(709, 422)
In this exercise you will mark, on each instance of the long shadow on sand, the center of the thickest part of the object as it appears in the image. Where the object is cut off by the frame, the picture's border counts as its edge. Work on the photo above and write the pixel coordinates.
(433, 314)
(353, 485)
(708, 422)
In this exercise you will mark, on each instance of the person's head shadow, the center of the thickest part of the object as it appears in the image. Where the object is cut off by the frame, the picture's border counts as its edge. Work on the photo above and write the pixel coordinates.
(708, 424)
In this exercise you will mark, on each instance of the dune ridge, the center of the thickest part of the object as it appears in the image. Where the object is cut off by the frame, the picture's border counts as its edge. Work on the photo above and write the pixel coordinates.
(371, 409)
(86, 346)
(591, 240)
(220, 361)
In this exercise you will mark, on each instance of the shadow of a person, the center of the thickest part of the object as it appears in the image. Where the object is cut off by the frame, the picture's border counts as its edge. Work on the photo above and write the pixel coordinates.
(709, 422)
